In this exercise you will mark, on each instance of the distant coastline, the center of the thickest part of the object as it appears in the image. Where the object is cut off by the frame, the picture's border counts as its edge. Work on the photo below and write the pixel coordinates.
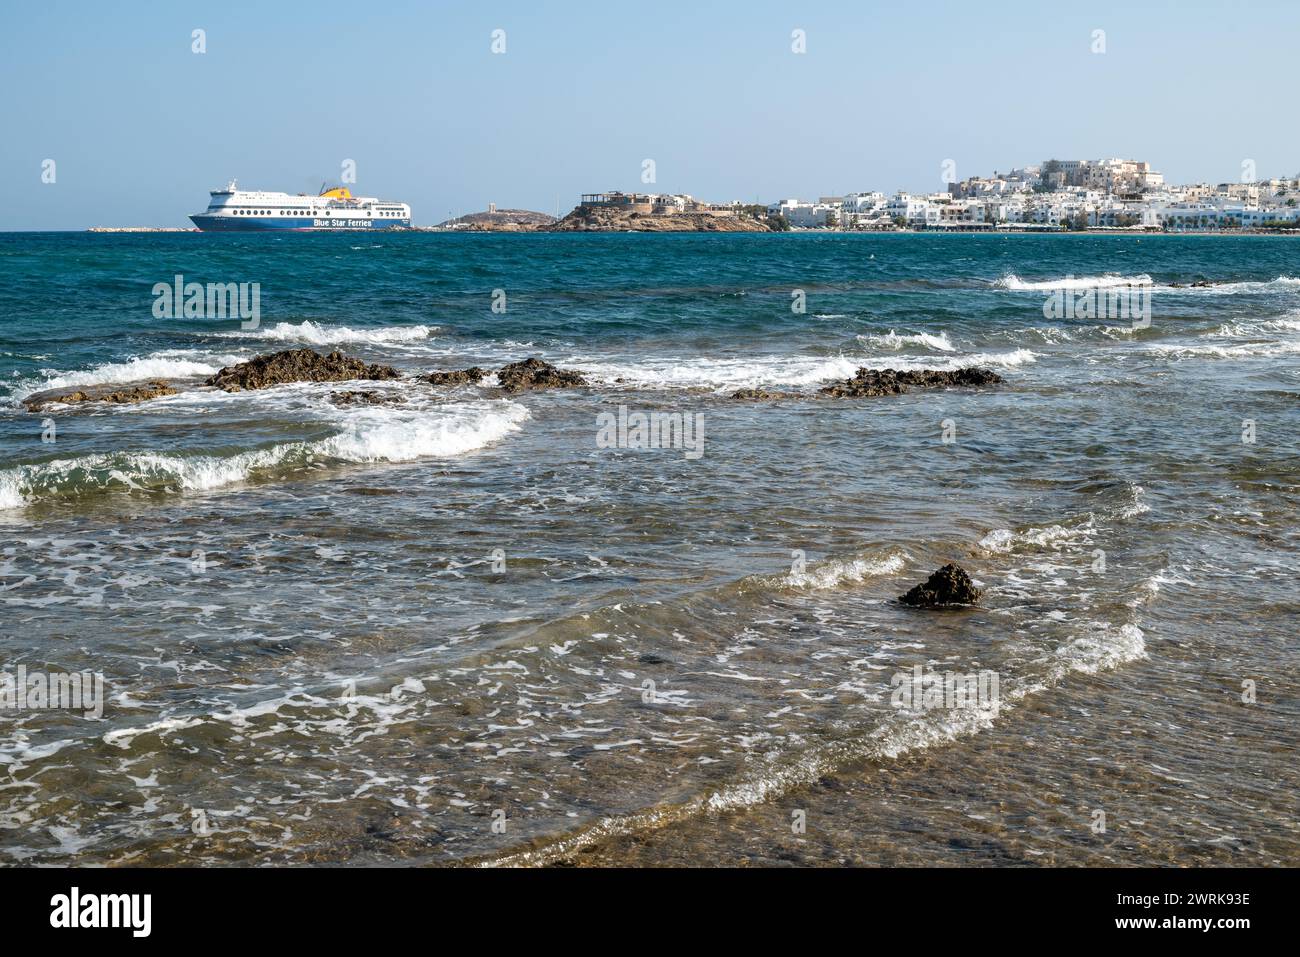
(687, 228)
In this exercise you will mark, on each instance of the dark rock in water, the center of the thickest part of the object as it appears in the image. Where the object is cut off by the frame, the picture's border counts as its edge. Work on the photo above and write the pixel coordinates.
(365, 398)
(462, 377)
(139, 393)
(296, 365)
(1202, 284)
(873, 382)
(764, 394)
(535, 374)
(948, 586)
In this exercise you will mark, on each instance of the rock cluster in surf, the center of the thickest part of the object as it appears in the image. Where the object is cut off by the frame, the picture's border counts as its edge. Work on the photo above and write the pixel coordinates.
(139, 393)
(950, 585)
(367, 397)
(307, 365)
(297, 365)
(460, 377)
(873, 382)
(764, 394)
(534, 373)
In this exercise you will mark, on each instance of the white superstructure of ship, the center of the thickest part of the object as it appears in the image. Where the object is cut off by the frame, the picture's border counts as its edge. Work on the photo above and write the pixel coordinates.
(334, 208)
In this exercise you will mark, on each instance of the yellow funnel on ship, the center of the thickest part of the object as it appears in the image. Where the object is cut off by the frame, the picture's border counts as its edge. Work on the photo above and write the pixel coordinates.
(338, 192)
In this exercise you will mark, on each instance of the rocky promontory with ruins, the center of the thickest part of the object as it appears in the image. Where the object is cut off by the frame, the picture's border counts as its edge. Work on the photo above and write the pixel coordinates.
(657, 212)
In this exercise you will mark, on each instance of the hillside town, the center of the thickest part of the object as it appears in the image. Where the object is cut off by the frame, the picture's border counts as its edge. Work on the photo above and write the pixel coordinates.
(1053, 196)
(1107, 194)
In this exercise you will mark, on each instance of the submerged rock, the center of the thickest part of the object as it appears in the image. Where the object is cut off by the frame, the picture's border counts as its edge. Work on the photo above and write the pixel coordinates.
(138, 393)
(297, 365)
(535, 374)
(950, 585)
(365, 398)
(873, 382)
(764, 394)
(462, 377)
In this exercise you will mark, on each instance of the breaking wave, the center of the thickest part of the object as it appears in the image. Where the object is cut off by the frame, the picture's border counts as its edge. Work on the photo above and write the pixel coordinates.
(1012, 281)
(893, 340)
(380, 434)
(168, 364)
(821, 576)
(313, 333)
(1245, 350)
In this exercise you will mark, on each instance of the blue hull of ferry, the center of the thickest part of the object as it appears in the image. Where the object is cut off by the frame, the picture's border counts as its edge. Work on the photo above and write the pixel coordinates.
(263, 224)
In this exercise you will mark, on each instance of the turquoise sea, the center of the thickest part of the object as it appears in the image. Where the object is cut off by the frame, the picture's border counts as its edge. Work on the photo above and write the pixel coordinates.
(457, 628)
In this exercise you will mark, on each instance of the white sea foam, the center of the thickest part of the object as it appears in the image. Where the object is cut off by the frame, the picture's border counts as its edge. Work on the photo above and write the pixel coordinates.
(394, 434)
(1004, 539)
(1104, 648)
(1288, 325)
(1241, 329)
(722, 373)
(1017, 357)
(11, 495)
(315, 334)
(1281, 283)
(729, 373)
(1012, 281)
(1049, 334)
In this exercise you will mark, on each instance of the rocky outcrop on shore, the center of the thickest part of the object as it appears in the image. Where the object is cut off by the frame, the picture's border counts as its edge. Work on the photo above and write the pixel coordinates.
(103, 393)
(948, 586)
(296, 365)
(461, 377)
(874, 382)
(534, 373)
(606, 219)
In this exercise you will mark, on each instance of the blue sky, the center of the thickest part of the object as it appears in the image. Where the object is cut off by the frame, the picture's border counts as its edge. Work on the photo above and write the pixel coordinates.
(140, 127)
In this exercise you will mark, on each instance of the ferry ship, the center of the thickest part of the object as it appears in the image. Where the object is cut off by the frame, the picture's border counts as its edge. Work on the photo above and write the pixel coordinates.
(232, 208)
